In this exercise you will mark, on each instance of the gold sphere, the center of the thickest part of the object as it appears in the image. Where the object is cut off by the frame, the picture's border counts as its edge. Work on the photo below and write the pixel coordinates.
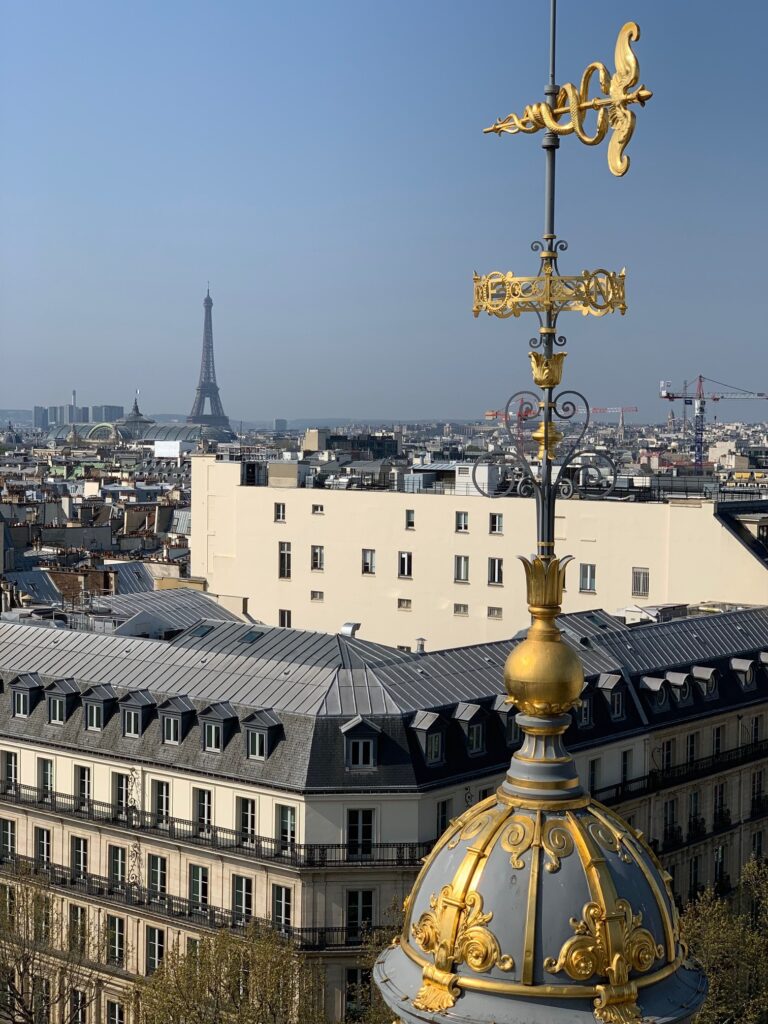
(542, 675)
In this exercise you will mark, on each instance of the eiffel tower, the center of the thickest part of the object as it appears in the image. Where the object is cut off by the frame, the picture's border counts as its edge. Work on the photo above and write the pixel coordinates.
(207, 386)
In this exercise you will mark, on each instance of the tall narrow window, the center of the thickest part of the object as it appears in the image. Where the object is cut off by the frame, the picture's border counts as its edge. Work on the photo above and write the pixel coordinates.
(405, 565)
(56, 710)
(7, 837)
(78, 1007)
(45, 777)
(359, 834)
(115, 940)
(594, 774)
(369, 562)
(246, 817)
(20, 704)
(279, 512)
(257, 744)
(691, 747)
(115, 1012)
(120, 790)
(475, 738)
(281, 907)
(626, 765)
(717, 740)
(79, 856)
(286, 828)
(410, 519)
(359, 913)
(203, 808)
(496, 522)
(587, 576)
(641, 582)
(94, 717)
(212, 737)
(131, 723)
(317, 558)
(157, 874)
(284, 560)
(117, 857)
(161, 802)
(198, 885)
(443, 816)
(496, 572)
(155, 948)
(284, 618)
(10, 770)
(242, 897)
(82, 784)
(171, 730)
(462, 522)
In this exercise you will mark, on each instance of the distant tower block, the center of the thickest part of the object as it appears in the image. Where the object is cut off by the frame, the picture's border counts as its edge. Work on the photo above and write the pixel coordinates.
(207, 386)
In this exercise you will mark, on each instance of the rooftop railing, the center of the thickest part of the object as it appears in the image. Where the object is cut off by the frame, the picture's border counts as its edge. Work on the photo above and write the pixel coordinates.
(242, 842)
(182, 911)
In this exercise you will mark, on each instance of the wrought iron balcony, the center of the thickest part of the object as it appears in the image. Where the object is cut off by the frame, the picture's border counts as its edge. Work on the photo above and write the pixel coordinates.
(241, 842)
(697, 828)
(721, 820)
(673, 837)
(659, 779)
(182, 911)
(759, 806)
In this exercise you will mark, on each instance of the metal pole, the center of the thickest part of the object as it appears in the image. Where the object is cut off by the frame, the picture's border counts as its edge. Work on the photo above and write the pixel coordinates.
(550, 144)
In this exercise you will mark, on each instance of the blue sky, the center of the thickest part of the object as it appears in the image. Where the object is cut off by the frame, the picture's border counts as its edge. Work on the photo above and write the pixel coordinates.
(323, 165)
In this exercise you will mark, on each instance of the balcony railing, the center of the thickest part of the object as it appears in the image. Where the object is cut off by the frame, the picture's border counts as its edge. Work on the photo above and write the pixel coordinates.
(759, 806)
(183, 911)
(675, 775)
(721, 819)
(673, 837)
(697, 828)
(244, 843)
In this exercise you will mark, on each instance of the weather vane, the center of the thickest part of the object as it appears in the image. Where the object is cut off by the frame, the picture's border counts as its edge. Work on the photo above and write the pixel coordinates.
(550, 293)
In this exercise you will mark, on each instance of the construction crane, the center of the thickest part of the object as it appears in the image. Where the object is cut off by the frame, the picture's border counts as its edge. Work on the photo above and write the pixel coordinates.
(699, 401)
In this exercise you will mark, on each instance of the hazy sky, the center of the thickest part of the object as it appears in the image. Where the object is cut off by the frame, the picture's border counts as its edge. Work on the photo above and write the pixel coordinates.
(323, 165)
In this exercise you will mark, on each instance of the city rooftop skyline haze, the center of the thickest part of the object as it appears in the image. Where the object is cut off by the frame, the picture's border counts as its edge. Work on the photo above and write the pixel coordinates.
(324, 168)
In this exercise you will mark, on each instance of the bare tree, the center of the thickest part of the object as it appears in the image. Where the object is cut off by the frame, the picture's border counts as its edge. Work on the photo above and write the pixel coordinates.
(49, 956)
(259, 978)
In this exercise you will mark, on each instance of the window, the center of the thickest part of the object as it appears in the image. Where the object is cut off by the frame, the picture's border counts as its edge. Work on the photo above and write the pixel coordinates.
(161, 801)
(757, 787)
(717, 740)
(513, 730)
(755, 729)
(317, 558)
(318, 510)
(281, 906)
(43, 846)
(461, 609)
(404, 604)
(594, 774)
(670, 813)
(203, 800)
(115, 940)
(117, 857)
(587, 578)
(155, 948)
(212, 737)
(115, 1012)
(284, 560)
(485, 791)
(667, 754)
(434, 747)
(316, 595)
(131, 723)
(369, 562)
(257, 745)
(201, 630)
(56, 710)
(41, 1000)
(198, 885)
(79, 856)
(359, 833)
(585, 713)
(461, 568)
(157, 874)
(284, 618)
(757, 844)
(691, 747)
(495, 522)
(78, 1007)
(410, 519)
(357, 993)
(495, 572)
(286, 827)
(443, 816)
(82, 784)
(242, 897)
(462, 522)
(617, 704)
(361, 753)
(719, 859)
(359, 912)
(7, 837)
(641, 579)
(693, 874)
(279, 512)
(246, 816)
(94, 717)
(475, 738)
(45, 777)
(20, 704)
(405, 564)
(171, 729)
(494, 612)
(120, 790)
(718, 798)
(626, 765)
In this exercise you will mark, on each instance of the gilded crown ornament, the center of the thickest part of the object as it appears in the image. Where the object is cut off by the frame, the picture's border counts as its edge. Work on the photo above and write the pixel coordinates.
(539, 903)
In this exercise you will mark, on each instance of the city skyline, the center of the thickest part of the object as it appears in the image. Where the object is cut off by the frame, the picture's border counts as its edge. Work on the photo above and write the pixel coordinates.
(285, 174)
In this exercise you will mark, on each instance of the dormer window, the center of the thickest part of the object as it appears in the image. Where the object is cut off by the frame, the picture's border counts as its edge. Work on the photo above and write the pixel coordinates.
(56, 711)
(257, 745)
(745, 672)
(475, 738)
(131, 723)
(513, 731)
(361, 753)
(585, 713)
(661, 698)
(212, 737)
(617, 704)
(434, 748)
(20, 704)
(171, 730)
(94, 717)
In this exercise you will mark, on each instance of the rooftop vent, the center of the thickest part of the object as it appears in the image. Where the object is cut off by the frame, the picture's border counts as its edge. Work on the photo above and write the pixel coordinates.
(349, 628)
(420, 644)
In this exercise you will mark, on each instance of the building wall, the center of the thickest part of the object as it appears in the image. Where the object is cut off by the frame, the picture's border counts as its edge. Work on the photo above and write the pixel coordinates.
(234, 543)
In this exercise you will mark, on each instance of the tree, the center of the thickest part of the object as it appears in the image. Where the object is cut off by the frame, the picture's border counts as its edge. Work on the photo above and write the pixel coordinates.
(732, 945)
(49, 956)
(364, 1002)
(259, 978)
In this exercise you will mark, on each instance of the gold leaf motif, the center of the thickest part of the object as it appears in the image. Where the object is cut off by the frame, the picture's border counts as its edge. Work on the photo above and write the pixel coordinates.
(470, 829)
(547, 370)
(557, 843)
(517, 838)
(610, 943)
(475, 945)
(608, 840)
